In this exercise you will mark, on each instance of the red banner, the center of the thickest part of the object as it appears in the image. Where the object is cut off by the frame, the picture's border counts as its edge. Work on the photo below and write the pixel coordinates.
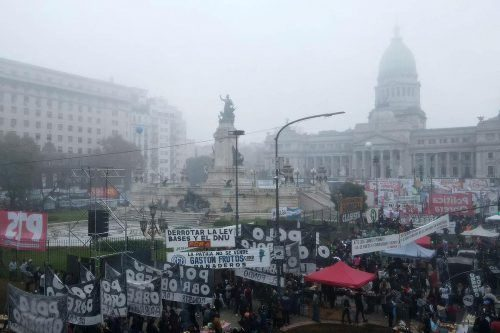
(23, 230)
(454, 204)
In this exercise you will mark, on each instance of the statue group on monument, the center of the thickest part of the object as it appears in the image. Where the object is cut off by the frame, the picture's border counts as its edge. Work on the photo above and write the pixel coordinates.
(227, 116)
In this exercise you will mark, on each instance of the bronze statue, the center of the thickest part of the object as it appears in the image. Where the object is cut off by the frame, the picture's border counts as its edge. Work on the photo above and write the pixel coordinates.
(227, 116)
(237, 157)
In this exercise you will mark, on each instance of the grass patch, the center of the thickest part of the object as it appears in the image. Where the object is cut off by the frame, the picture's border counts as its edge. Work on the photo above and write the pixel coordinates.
(67, 215)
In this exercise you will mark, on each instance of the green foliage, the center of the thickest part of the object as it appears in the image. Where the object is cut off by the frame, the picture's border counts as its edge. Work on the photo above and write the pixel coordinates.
(122, 155)
(349, 190)
(17, 171)
(67, 215)
(195, 169)
(193, 201)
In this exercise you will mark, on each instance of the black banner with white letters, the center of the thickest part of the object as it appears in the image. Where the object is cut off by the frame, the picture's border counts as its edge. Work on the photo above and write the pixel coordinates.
(83, 304)
(113, 297)
(85, 274)
(30, 313)
(144, 297)
(54, 285)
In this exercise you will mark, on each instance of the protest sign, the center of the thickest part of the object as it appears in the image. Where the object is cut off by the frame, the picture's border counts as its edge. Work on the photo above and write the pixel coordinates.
(23, 230)
(475, 284)
(187, 284)
(178, 283)
(54, 285)
(34, 313)
(258, 276)
(350, 209)
(190, 238)
(452, 203)
(239, 258)
(374, 244)
(110, 272)
(113, 297)
(83, 304)
(85, 274)
(144, 298)
(429, 228)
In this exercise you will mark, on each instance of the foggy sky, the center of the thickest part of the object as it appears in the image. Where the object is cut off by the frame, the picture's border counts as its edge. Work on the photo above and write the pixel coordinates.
(277, 59)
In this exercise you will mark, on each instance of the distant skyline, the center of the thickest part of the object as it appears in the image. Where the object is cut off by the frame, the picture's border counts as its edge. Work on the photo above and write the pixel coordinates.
(278, 60)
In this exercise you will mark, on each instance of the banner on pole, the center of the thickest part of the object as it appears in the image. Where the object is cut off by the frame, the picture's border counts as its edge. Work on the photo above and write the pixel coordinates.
(144, 298)
(113, 298)
(429, 228)
(54, 285)
(190, 285)
(374, 244)
(23, 230)
(84, 304)
(259, 276)
(35, 313)
(85, 274)
(240, 258)
(191, 238)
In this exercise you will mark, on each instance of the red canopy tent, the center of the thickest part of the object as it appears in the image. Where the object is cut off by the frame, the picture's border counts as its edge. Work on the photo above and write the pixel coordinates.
(425, 242)
(341, 275)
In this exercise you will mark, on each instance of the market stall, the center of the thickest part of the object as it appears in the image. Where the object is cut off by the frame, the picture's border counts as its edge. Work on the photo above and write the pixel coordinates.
(480, 232)
(410, 251)
(341, 275)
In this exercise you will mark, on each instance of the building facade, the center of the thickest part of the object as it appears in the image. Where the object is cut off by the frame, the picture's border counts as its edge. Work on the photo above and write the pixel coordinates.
(76, 113)
(395, 141)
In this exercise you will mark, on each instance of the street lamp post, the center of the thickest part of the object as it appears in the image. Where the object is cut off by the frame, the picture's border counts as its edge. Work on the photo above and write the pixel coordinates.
(150, 228)
(276, 179)
(236, 134)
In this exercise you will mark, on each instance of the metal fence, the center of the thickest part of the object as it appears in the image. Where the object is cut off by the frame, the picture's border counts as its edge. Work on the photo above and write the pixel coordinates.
(57, 251)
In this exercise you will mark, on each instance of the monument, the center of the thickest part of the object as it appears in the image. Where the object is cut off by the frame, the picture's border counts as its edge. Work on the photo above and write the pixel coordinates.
(223, 171)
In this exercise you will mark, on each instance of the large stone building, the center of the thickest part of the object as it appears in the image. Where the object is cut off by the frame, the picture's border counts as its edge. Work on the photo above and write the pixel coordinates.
(395, 142)
(75, 113)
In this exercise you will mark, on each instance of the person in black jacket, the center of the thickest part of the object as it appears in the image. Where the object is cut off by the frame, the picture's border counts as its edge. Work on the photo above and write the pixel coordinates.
(346, 311)
(360, 309)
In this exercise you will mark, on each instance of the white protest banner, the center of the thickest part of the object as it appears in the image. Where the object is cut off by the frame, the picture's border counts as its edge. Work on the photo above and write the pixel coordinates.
(374, 244)
(240, 258)
(255, 275)
(429, 228)
(35, 313)
(144, 298)
(83, 304)
(213, 237)
(113, 297)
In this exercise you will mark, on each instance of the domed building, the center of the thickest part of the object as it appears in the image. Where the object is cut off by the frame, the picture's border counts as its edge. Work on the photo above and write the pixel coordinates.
(395, 141)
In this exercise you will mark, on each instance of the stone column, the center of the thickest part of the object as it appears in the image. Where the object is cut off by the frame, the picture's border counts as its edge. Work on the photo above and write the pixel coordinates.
(391, 165)
(426, 172)
(363, 165)
(354, 164)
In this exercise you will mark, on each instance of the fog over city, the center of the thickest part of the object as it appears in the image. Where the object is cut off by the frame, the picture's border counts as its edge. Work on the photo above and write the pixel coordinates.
(278, 60)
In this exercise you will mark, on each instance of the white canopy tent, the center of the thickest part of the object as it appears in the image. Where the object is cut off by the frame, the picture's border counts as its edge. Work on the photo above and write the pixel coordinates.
(494, 218)
(480, 232)
(411, 250)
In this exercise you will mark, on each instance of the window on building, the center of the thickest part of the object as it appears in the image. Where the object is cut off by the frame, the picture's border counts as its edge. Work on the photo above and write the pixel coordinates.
(89, 150)
(59, 138)
(49, 125)
(1, 108)
(26, 100)
(80, 129)
(1, 121)
(13, 122)
(98, 131)
(454, 171)
(89, 140)
(89, 130)
(79, 150)
(114, 122)
(420, 141)
(38, 124)
(490, 136)
(443, 140)
(114, 132)
(59, 116)
(490, 155)
(26, 123)
(60, 127)
(13, 109)
(37, 136)
(491, 171)
(80, 118)
(38, 102)
(79, 139)
(70, 128)
(70, 138)
(38, 113)
(13, 98)
(432, 141)
(26, 111)
(70, 150)
(49, 103)
(70, 117)
(59, 149)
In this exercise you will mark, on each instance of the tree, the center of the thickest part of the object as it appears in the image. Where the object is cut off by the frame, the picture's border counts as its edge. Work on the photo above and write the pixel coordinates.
(120, 154)
(349, 190)
(18, 170)
(196, 168)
